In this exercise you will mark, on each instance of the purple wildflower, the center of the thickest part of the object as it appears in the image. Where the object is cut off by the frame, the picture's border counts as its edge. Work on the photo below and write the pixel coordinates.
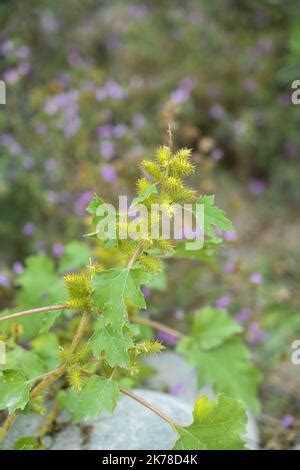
(7, 47)
(256, 334)
(58, 250)
(167, 338)
(17, 267)
(288, 421)
(138, 121)
(4, 280)
(217, 154)
(28, 229)
(257, 187)
(216, 111)
(105, 131)
(229, 268)
(11, 75)
(82, 202)
(114, 90)
(107, 149)
(146, 291)
(244, 315)
(23, 52)
(120, 130)
(229, 236)
(179, 314)
(256, 278)
(182, 93)
(176, 389)
(50, 165)
(223, 302)
(108, 173)
(24, 68)
(53, 197)
(28, 163)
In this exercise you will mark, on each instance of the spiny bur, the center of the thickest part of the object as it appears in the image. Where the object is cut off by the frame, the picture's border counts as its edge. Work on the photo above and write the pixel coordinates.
(75, 377)
(79, 289)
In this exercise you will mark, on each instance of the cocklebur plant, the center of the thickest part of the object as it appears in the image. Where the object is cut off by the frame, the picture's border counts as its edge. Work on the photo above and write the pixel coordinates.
(84, 368)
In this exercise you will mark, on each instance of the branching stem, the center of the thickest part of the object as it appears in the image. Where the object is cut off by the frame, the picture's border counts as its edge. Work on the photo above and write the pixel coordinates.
(157, 326)
(136, 254)
(48, 421)
(149, 406)
(49, 378)
(32, 311)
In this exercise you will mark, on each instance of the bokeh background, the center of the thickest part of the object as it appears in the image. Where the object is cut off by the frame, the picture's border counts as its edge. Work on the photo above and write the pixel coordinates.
(91, 89)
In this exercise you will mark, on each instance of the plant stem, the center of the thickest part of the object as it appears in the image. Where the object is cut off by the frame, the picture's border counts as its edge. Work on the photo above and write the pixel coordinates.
(54, 375)
(6, 426)
(157, 326)
(48, 421)
(32, 311)
(149, 406)
(80, 331)
(136, 254)
(50, 378)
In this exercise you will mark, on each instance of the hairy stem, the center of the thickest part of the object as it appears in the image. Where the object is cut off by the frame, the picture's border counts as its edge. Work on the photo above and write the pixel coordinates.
(50, 378)
(48, 421)
(157, 326)
(7, 425)
(136, 254)
(33, 310)
(149, 406)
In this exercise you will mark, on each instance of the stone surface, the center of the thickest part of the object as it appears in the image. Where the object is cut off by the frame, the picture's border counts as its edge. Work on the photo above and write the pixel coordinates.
(134, 427)
(131, 427)
(25, 425)
(175, 375)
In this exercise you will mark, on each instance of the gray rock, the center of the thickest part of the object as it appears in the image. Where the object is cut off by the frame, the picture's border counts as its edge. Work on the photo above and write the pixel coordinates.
(131, 427)
(69, 438)
(25, 425)
(173, 371)
(134, 427)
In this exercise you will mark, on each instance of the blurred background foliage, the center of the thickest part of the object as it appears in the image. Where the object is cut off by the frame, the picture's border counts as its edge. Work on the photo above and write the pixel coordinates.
(91, 89)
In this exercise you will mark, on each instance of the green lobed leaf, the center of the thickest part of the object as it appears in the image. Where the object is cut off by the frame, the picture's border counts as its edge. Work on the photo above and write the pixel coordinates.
(93, 205)
(76, 256)
(14, 390)
(114, 346)
(217, 425)
(113, 288)
(211, 326)
(92, 208)
(214, 217)
(27, 361)
(228, 367)
(40, 286)
(206, 253)
(28, 443)
(46, 347)
(151, 189)
(97, 396)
